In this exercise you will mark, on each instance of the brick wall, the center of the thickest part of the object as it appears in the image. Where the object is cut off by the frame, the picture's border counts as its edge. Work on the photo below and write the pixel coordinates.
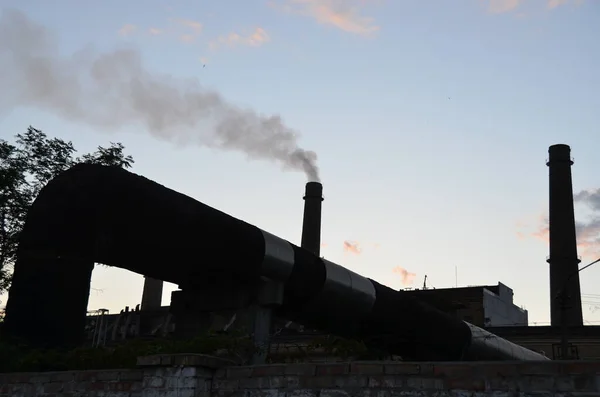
(158, 376)
(201, 376)
(370, 379)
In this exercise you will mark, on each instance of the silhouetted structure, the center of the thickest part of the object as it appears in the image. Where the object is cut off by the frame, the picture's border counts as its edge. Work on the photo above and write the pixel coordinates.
(152, 294)
(563, 259)
(92, 213)
(311, 224)
(483, 306)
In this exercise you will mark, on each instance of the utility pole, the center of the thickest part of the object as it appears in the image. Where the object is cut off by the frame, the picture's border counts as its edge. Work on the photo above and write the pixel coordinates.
(564, 301)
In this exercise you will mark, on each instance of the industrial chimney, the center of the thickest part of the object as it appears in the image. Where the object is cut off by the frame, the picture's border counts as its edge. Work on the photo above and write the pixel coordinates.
(152, 294)
(311, 225)
(563, 259)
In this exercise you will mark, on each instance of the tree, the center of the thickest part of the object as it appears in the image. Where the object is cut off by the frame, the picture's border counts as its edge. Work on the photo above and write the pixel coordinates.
(25, 167)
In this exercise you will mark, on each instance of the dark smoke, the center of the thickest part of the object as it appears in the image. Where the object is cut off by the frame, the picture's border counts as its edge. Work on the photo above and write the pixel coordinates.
(589, 197)
(114, 89)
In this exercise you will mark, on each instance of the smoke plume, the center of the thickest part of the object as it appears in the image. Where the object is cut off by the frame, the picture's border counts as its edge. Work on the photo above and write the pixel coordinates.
(352, 247)
(588, 231)
(114, 89)
(406, 277)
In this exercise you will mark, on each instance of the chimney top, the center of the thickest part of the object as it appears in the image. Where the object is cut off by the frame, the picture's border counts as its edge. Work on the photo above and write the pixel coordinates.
(314, 190)
(559, 153)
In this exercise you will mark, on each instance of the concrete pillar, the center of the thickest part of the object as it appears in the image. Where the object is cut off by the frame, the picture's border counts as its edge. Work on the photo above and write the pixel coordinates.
(152, 294)
(270, 296)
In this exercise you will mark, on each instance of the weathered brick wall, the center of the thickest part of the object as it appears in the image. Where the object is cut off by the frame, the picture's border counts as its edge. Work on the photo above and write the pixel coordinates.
(370, 379)
(200, 376)
(159, 376)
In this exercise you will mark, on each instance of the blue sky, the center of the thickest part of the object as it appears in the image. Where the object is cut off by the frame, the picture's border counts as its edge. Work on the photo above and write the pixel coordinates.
(431, 121)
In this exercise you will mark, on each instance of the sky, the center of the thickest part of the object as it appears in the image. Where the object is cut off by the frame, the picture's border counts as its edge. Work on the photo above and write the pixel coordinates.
(429, 122)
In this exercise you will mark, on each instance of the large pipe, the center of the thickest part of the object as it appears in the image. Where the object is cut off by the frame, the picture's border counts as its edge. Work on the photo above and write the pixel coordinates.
(311, 224)
(563, 259)
(101, 214)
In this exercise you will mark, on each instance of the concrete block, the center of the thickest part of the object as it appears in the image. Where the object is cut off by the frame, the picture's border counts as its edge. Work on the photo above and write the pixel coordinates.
(501, 384)
(226, 384)
(302, 393)
(334, 393)
(539, 368)
(564, 383)
(292, 381)
(178, 382)
(113, 394)
(166, 360)
(583, 383)
(402, 369)
(36, 378)
(153, 382)
(366, 368)
(385, 381)
(352, 381)
(149, 361)
(417, 383)
(300, 369)
(121, 386)
(97, 386)
(107, 375)
(467, 383)
(318, 382)
(535, 383)
(67, 376)
(220, 373)
(20, 377)
(200, 360)
(188, 382)
(268, 370)
(188, 371)
(503, 393)
(85, 376)
(332, 369)
(278, 382)
(263, 393)
(253, 383)
(203, 385)
(493, 370)
(133, 375)
(28, 389)
(580, 368)
(454, 370)
(49, 388)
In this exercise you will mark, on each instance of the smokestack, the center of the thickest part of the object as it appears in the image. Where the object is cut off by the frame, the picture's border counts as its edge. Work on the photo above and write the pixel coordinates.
(563, 259)
(311, 225)
(152, 294)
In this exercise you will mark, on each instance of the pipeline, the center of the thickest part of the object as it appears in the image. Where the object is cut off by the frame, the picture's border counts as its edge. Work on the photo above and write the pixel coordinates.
(95, 214)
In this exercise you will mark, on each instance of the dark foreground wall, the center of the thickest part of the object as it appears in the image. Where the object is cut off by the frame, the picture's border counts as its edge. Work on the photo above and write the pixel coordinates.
(188, 376)
(93, 213)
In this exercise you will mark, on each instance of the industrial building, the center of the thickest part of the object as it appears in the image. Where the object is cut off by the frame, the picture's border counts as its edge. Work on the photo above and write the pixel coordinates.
(484, 306)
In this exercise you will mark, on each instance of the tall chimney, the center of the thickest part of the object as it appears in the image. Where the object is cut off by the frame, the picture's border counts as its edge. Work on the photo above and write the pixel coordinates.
(152, 294)
(563, 259)
(311, 225)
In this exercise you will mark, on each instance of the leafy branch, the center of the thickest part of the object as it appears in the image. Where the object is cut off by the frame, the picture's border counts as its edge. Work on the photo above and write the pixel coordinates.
(25, 168)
